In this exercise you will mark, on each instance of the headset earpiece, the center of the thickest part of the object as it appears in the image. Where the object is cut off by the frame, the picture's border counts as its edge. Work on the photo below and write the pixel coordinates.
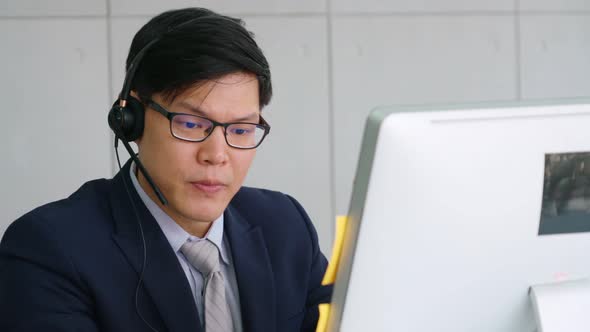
(127, 122)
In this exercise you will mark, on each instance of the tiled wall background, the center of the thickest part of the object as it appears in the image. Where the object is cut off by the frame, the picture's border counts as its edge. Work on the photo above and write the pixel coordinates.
(61, 64)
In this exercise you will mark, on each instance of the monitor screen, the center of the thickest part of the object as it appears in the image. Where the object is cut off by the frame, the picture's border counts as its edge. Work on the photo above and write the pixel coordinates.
(457, 211)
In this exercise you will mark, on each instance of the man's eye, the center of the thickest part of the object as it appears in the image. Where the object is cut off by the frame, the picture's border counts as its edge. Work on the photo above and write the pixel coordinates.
(193, 125)
(240, 131)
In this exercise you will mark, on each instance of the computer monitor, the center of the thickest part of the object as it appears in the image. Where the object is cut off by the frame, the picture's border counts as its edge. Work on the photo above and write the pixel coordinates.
(457, 211)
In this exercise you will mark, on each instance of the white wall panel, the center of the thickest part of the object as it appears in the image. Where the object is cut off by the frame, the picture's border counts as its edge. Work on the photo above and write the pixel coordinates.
(413, 60)
(555, 56)
(54, 128)
(565, 5)
(52, 8)
(376, 6)
(153, 7)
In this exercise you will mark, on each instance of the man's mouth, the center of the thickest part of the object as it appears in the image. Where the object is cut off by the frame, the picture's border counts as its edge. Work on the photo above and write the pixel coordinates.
(208, 186)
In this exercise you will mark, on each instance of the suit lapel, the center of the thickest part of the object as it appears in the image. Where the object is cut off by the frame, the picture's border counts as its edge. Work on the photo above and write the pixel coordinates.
(253, 273)
(163, 278)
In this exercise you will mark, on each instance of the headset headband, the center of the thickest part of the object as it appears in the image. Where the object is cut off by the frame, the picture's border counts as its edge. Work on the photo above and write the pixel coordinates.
(131, 73)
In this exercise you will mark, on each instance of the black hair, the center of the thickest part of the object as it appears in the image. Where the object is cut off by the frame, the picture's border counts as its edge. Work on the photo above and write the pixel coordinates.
(195, 45)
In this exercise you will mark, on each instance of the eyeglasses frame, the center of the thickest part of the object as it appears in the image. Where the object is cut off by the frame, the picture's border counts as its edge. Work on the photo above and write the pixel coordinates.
(170, 115)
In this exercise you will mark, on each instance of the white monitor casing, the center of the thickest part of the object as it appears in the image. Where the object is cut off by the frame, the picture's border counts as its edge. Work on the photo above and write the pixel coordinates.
(444, 219)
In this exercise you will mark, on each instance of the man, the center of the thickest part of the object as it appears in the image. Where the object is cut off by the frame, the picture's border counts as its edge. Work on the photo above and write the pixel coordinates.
(173, 242)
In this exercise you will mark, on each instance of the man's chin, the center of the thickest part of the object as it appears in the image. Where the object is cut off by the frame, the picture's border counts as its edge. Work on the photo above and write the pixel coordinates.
(206, 217)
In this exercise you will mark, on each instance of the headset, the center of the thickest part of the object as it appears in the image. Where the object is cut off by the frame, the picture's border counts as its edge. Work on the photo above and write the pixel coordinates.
(126, 118)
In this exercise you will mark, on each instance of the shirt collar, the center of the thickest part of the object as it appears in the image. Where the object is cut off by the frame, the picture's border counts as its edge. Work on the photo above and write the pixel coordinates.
(175, 234)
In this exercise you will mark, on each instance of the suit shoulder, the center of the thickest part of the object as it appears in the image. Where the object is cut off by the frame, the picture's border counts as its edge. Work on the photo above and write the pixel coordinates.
(285, 225)
(89, 200)
(248, 194)
(249, 198)
(263, 205)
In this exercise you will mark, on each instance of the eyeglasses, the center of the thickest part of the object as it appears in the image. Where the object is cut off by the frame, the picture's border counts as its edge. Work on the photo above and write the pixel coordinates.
(194, 128)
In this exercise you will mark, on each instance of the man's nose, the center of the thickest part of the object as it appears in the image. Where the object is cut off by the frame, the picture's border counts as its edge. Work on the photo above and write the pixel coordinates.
(213, 150)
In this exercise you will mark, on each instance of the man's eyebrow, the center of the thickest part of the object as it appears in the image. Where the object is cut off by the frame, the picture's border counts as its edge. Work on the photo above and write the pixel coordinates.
(248, 118)
(252, 117)
(194, 109)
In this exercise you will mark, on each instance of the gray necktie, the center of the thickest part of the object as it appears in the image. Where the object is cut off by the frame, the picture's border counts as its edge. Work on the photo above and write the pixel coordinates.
(204, 256)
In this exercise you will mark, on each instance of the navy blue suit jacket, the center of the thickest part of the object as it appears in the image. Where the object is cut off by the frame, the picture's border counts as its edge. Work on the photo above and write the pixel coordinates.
(73, 265)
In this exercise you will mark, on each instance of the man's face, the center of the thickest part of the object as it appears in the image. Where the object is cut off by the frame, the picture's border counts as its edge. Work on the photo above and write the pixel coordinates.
(199, 179)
